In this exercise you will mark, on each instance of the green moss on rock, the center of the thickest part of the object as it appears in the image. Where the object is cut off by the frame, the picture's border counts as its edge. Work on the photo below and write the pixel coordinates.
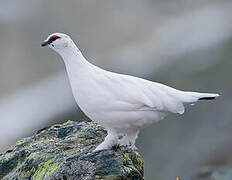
(45, 169)
(64, 151)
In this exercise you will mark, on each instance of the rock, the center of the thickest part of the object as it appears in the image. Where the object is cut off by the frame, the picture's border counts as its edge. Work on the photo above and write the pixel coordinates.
(64, 152)
(214, 173)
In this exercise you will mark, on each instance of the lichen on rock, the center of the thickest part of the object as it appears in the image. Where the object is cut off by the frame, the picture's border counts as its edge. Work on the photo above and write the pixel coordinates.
(64, 152)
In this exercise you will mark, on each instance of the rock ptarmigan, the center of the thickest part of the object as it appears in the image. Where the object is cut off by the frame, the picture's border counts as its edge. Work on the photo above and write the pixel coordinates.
(122, 104)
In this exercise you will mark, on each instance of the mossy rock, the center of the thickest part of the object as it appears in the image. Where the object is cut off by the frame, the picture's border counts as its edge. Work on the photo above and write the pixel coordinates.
(64, 152)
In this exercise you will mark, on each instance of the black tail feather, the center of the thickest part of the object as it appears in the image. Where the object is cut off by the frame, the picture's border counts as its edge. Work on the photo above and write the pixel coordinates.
(207, 98)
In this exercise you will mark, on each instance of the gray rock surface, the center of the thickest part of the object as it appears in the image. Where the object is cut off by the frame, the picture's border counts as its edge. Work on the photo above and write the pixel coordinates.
(214, 173)
(64, 152)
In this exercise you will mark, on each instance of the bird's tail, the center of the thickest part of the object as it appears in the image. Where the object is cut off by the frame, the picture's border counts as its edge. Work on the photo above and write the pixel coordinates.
(207, 96)
(191, 97)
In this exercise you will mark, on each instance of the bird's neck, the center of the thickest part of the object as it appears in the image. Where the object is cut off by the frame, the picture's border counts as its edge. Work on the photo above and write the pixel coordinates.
(74, 61)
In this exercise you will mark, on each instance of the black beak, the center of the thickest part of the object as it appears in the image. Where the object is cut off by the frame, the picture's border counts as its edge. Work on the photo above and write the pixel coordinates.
(45, 43)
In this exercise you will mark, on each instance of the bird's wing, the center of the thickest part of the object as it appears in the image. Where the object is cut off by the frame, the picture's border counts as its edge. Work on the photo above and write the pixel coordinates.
(146, 95)
(167, 99)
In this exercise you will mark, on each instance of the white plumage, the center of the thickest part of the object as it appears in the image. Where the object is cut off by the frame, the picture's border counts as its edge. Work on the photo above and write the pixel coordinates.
(122, 104)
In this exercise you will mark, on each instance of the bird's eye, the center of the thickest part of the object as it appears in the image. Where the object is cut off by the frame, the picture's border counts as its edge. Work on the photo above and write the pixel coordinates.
(53, 38)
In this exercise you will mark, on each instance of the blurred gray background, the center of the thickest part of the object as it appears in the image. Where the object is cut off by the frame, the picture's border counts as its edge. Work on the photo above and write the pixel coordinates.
(185, 44)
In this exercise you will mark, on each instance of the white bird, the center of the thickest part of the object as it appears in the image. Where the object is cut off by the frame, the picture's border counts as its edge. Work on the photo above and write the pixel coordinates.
(122, 104)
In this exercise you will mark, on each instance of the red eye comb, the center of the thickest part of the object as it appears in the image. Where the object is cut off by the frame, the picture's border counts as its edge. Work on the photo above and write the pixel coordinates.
(54, 37)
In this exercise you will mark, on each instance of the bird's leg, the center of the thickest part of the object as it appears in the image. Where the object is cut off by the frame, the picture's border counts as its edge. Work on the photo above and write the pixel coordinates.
(110, 140)
(129, 140)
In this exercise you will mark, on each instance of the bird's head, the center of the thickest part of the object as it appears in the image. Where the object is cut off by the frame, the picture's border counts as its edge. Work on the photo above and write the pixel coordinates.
(58, 41)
